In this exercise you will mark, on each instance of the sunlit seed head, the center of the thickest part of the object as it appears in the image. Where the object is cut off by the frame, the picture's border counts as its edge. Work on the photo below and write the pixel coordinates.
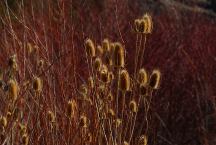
(90, 48)
(51, 116)
(124, 82)
(99, 51)
(117, 122)
(71, 108)
(155, 78)
(83, 89)
(3, 122)
(12, 62)
(104, 77)
(133, 106)
(22, 128)
(142, 76)
(88, 138)
(137, 25)
(106, 45)
(118, 55)
(110, 113)
(97, 64)
(125, 143)
(148, 23)
(143, 140)
(13, 89)
(25, 139)
(83, 121)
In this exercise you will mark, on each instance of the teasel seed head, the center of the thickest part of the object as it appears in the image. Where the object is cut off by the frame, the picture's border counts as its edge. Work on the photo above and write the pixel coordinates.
(118, 55)
(51, 116)
(143, 140)
(125, 143)
(137, 25)
(117, 122)
(97, 64)
(71, 108)
(13, 89)
(25, 139)
(37, 84)
(22, 128)
(104, 76)
(99, 51)
(142, 76)
(148, 23)
(3, 122)
(110, 114)
(111, 76)
(124, 82)
(83, 121)
(90, 48)
(88, 138)
(106, 45)
(12, 62)
(133, 106)
(83, 90)
(155, 78)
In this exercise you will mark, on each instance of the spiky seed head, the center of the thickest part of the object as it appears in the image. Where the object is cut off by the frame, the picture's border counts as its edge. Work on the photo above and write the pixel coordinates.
(106, 45)
(142, 26)
(143, 90)
(155, 78)
(110, 113)
(51, 116)
(143, 140)
(83, 121)
(124, 82)
(25, 139)
(12, 62)
(97, 64)
(90, 48)
(137, 25)
(148, 23)
(142, 76)
(133, 106)
(71, 107)
(13, 89)
(118, 122)
(99, 51)
(118, 55)
(3, 122)
(90, 82)
(37, 84)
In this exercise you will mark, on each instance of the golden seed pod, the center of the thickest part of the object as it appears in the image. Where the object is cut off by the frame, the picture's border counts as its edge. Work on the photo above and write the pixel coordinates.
(125, 143)
(118, 55)
(51, 116)
(106, 45)
(90, 82)
(99, 51)
(148, 23)
(13, 90)
(88, 138)
(143, 140)
(124, 82)
(25, 139)
(90, 48)
(22, 128)
(83, 121)
(142, 76)
(3, 122)
(97, 64)
(155, 78)
(71, 107)
(133, 106)
(110, 113)
(37, 84)
(137, 25)
(143, 90)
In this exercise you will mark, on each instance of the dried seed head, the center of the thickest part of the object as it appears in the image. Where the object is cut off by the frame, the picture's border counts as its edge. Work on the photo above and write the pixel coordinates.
(142, 26)
(124, 82)
(90, 48)
(104, 77)
(148, 23)
(51, 116)
(154, 81)
(83, 90)
(22, 128)
(143, 90)
(111, 76)
(143, 140)
(88, 138)
(125, 143)
(71, 107)
(83, 121)
(142, 76)
(106, 45)
(12, 62)
(25, 139)
(110, 97)
(97, 64)
(12, 89)
(137, 25)
(3, 121)
(9, 114)
(90, 82)
(110, 113)
(99, 51)
(37, 84)
(133, 106)
(117, 122)
(118, 55)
